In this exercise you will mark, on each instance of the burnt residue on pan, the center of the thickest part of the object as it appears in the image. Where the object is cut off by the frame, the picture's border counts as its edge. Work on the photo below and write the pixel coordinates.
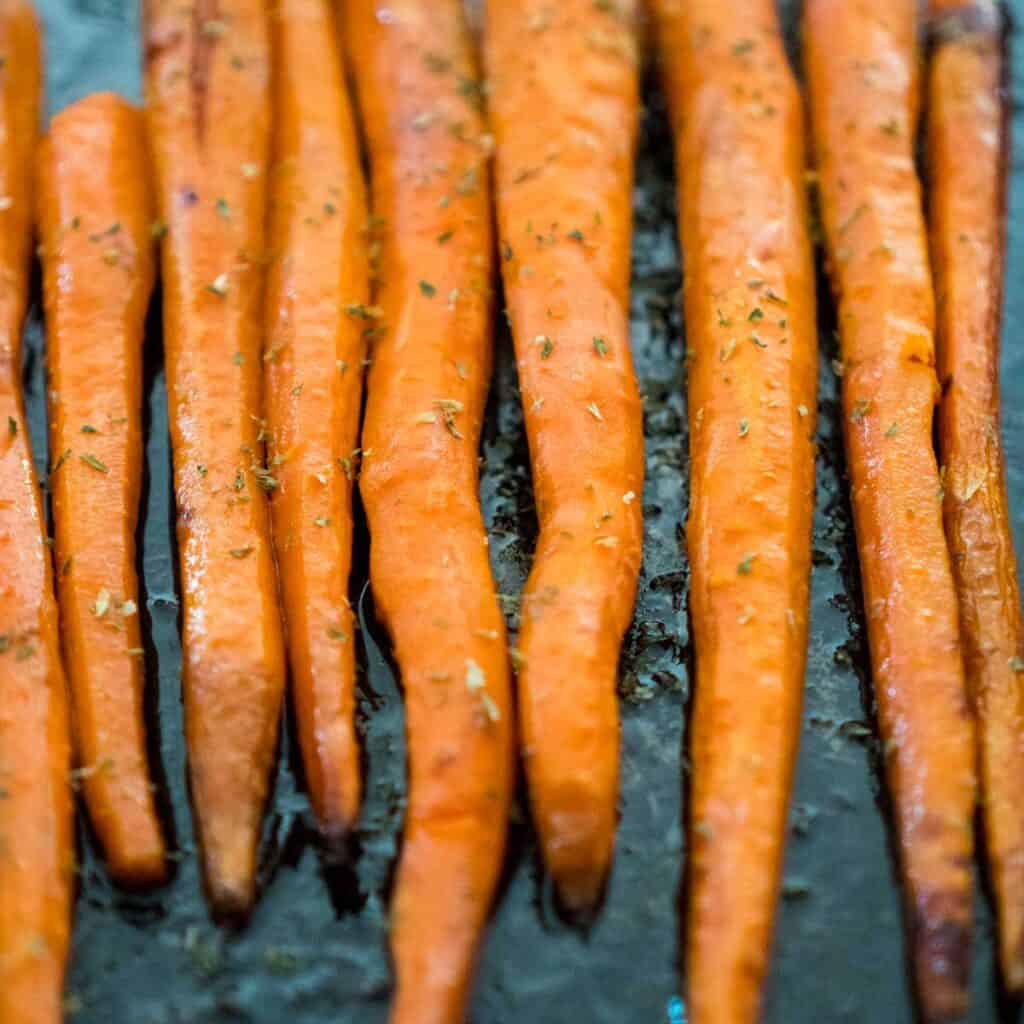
(316, 949)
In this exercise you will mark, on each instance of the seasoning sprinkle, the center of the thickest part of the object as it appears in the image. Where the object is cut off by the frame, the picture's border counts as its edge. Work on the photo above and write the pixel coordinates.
(219, 285)
(92, 461)
(860, 409)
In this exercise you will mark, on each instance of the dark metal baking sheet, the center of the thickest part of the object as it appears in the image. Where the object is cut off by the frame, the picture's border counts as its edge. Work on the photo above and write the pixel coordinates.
(315, 950)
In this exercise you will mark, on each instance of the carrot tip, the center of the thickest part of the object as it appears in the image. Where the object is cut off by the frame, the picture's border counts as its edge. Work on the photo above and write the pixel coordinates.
(231, 899)
(580, 890)
(1012, 965)
(336, 835)
(942, 965)
(139, 872)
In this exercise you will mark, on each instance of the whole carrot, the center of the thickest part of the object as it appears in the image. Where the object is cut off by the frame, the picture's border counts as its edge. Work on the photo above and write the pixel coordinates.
(752, 375)
(316, 318)
(418, 98)
(862, 75)
(966, 115)
(563, 99)
(208, 108)
(95, 218)
(36, 851)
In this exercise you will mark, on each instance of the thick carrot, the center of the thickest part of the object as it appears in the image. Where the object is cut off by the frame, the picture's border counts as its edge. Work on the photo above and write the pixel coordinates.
(418, 98)
(95, 217)
(862, 74)
(316, 304)
(966, 115)
(563, 95)
(36, 851)
(752, 379)
(208, 107)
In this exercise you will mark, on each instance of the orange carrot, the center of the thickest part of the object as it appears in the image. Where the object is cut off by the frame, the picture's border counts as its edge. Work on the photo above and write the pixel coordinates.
(317, 295)
(418, 99)
(563, 95)
(862, 74)
(208, 108)
(966, 115)
(95, 220)
(36, 851)
(752, 379)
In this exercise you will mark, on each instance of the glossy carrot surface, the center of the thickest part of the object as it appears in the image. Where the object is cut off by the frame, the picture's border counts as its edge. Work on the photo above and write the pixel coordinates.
(752, 342)
(95, 225)
(419, 102)
(317, 315)
(862, 65)
(966, 115)
(207, 93)
(564, 105)
(36, 840)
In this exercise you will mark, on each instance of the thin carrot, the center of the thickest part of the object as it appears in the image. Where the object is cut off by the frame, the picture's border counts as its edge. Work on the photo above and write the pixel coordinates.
(208, 107)
(564, 104)
(94, 211)
(418, 99)
(967, 115)
(752, 377)
(862, 74)
(317, 313)
(36, 851)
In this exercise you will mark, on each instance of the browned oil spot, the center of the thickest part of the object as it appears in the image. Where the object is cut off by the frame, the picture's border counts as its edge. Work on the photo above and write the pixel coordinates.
(969, 19)
(205, 15)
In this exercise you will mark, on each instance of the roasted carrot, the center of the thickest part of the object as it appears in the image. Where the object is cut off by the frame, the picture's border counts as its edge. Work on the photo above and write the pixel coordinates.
(207, 88)
(36, 851)
(862, 77)
(316, 309)
(563, 99)
(95, 225)
(966, 115)
(418, 100)
(752, 339)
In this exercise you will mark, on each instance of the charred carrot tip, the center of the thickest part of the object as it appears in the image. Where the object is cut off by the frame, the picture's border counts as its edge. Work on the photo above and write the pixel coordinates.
(942, 958)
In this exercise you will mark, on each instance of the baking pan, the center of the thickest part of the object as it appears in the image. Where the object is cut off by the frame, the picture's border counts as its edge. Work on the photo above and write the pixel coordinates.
(315, 950)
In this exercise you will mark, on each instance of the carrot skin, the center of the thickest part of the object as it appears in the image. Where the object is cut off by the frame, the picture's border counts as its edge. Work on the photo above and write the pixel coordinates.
(313, 360)
(95, 225)
(749, 302)
(862, 67)
(563, 96)
(36, 838)
(207, 92)
(418, 93)
(966, 114)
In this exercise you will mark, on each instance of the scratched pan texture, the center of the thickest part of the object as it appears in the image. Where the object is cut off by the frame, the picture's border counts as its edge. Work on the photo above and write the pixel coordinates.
(315, 950)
